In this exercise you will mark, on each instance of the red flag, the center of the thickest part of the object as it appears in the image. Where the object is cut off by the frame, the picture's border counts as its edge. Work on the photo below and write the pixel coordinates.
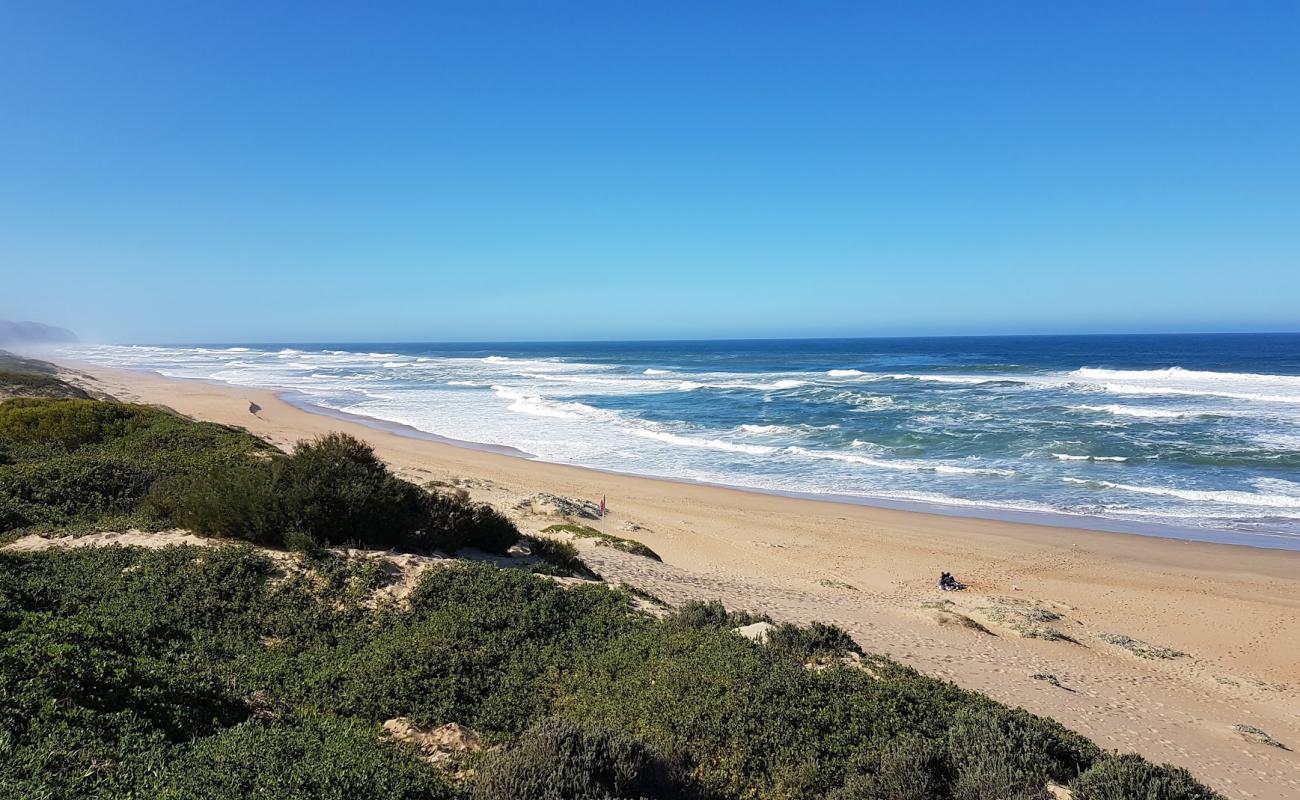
(602, 506)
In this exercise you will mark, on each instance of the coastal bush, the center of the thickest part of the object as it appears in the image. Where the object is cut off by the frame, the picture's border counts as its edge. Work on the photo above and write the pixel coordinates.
(558, 558)
(996, 749)
(911, 768)
(337, 490)
(556, 758)
(455, 522)
(326, 758)
(91, 463)
(21, 383)
(1130, 777)
(68, 488)
(217, 672)
(330, 491)
(815, 642)
(68, 424)
(711, 614)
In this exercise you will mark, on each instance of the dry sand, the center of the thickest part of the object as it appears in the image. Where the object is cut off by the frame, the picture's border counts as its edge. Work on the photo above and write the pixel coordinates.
(1233, 611)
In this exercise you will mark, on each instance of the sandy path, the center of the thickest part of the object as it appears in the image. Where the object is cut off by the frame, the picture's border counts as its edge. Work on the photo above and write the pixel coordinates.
(1234, 611)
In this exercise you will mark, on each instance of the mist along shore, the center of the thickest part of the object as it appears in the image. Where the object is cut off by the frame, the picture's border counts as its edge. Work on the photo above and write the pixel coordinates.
(1147, 644)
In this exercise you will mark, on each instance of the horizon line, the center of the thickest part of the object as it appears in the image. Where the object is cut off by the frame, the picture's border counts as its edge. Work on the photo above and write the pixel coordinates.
(685, 340)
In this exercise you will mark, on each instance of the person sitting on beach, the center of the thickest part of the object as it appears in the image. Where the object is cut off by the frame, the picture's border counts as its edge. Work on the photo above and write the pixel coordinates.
(949, 584)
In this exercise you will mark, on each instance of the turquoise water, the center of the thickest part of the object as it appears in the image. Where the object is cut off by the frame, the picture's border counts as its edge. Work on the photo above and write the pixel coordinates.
(1185, 435)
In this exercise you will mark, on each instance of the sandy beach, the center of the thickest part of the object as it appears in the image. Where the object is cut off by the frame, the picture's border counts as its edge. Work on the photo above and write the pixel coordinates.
(1141, 643)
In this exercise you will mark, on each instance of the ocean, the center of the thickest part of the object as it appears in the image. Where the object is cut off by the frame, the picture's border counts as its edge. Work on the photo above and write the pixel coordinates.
(1190, 436)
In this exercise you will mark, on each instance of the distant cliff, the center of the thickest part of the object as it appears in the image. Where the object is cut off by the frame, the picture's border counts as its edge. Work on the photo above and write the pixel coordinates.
(33, 333)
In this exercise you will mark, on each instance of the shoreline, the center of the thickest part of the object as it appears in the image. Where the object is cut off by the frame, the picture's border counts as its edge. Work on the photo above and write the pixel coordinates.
(1266, 540)
(1233, 610)
(1049, 519)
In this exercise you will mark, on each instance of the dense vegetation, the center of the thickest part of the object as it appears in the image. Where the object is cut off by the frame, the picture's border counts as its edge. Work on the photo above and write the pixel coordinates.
(223, 673)
(95, 464)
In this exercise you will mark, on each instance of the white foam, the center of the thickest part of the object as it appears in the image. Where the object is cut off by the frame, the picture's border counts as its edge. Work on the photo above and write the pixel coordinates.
(711, 444)
(768, 429)
(461, 383)
(1179, 381)
(969, 380)
(1139, 411)
(651, 371)
(496, 359)
(1228, 497)
(900, 464)
(1279, 441)
(845, 373)
(537, 406)
(787, 383)
(1068, 457)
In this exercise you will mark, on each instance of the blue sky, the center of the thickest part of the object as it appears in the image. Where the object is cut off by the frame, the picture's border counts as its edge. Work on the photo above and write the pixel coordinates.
(550, 170)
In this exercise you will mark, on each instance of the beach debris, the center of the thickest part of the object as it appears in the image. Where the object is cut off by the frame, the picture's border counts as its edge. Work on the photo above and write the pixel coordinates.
(1253, 734)
(756, 632)
(1046, 677)
(632, 527)
(833, 584)
(436, 745)
(547, 504)
(1140, 648)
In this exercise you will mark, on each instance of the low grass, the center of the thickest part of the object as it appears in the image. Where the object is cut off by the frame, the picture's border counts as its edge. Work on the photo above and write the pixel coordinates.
(1140, 648)
(605, 539)
(1254, 734)
(1028, 620)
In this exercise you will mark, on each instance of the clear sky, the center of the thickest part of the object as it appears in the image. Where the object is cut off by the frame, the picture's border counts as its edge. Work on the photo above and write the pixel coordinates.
(265, 171)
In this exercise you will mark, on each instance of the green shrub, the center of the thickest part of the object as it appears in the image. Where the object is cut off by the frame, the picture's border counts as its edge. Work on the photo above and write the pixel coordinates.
(13, 512)
(67, 488)
(328, 759)
(558, 759)
(337, 490)
(332, 491)
(93, 463)
(999, 751)
(700, 614)
(68, 424)
(1130, 777)
(240, 500)
(454, 522)
(558, 558)
(911, 768)
(817, 641)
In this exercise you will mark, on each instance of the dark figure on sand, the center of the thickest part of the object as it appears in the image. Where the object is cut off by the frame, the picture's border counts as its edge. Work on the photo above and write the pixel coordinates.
(253, 408)
(949, 584)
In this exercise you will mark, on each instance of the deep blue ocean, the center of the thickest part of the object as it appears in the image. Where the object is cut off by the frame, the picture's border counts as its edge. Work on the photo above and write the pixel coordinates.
(1186, 435)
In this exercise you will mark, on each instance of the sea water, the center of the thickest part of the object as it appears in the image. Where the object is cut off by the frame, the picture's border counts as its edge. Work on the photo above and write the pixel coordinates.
(1195, 436)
